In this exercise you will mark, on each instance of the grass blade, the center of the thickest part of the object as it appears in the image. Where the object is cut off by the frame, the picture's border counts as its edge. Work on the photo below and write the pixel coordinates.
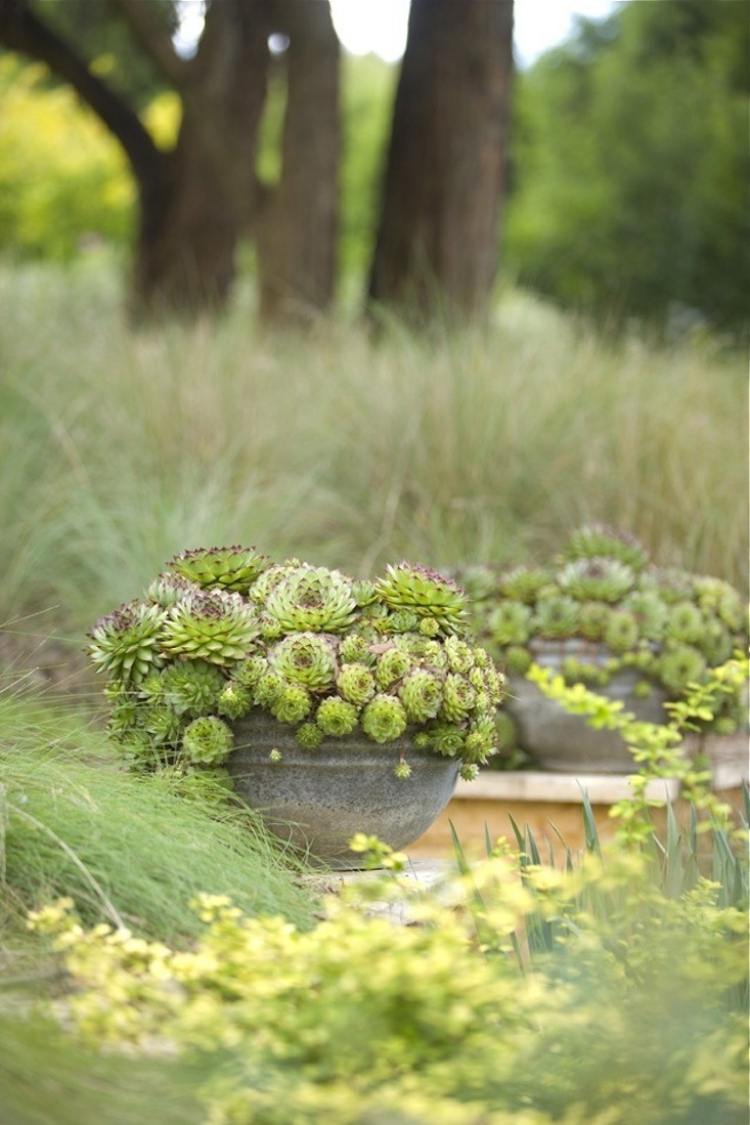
(589, 824)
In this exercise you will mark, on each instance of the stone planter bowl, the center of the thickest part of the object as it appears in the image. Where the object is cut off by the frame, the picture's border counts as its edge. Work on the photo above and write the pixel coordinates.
(318, 799)
(565, 743)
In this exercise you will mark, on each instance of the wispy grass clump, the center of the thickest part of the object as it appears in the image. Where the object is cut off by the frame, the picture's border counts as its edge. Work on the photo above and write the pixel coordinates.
(123, 448)
(124, 847)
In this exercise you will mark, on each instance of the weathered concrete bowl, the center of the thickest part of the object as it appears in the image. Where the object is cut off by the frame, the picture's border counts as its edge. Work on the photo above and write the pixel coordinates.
(318, 799)
(565, 743)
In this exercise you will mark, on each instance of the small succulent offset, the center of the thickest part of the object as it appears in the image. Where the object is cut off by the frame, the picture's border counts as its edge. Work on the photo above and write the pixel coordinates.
(671, 626)
(222, 632)
(598, 540)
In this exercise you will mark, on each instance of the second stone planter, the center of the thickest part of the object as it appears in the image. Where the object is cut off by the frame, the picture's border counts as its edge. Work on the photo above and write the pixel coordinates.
(318, 799)
(557, 740)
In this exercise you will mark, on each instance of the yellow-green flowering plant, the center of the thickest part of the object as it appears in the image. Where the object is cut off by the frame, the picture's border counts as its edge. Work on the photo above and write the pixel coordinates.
(657, 748)
(632, 1008)
(223, 631)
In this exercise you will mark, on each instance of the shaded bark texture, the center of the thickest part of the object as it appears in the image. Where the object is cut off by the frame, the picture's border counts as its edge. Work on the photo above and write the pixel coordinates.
(297, 229)
(192, 223)
(437, 242)
(195, 200)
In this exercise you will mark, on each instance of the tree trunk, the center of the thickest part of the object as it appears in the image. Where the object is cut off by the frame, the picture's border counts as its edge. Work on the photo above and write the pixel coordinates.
(297, 228)
(437, 244)
(192, 222)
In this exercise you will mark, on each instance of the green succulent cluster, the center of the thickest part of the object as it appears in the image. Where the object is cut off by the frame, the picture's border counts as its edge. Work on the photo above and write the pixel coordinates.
(222, 632)
(671, 626)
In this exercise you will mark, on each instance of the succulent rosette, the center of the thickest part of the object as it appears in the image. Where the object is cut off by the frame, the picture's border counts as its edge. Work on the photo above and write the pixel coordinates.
(225, 568)
(210, 625)
(222, 633)
(311, 599)
(598, 579)
(599, 541)
(438, 603)
(125, 643)
(606, 607)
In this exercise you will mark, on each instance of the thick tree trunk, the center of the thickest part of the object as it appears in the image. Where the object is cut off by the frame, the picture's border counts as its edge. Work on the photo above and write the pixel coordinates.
(297, 228)
(437, 243)
(192, 222)
(187, 236)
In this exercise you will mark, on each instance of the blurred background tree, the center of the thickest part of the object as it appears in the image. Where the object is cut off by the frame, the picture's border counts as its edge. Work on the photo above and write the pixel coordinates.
(632, 165)
(629, 162)
(197, 197)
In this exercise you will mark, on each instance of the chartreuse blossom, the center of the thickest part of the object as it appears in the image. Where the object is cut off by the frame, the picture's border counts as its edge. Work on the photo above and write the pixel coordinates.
(656, 748)
(223, 634)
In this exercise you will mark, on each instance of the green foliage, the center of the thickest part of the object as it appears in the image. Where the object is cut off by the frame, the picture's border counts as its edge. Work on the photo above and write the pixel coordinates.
(305, 658)
(291, 704)
(656, 748)
(523, 583)
(124, 643)
(311, 598)
(510, 623)
(63, 178)
(225, 568)
(421, 695)
(556, 617)
(526, 990)
(213, 626)
(356, 683)
(46, 1075)
(207, 741)
(384, 718)
(597, 579)
(103, 38)
(632, 163)
(190, 688)
(621, 633)
(598, 541)
(426, 593)
(336, 717)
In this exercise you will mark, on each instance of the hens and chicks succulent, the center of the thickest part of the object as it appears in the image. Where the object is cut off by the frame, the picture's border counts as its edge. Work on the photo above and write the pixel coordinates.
(223, 631)
(669, 625)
